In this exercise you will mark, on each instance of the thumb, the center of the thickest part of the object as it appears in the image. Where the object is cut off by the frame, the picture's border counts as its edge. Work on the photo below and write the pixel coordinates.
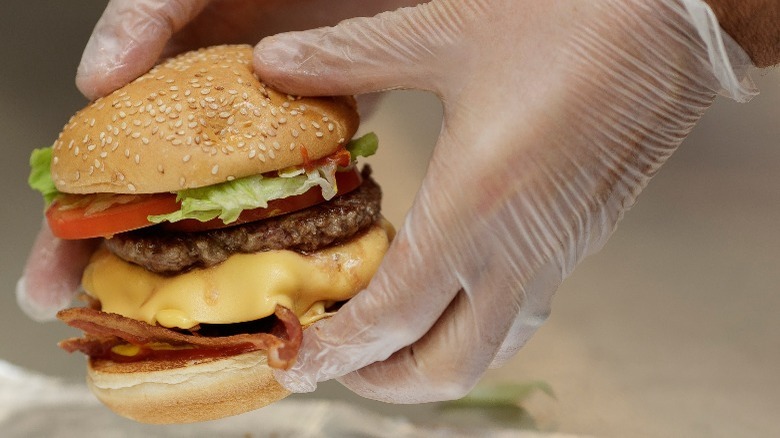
(406, 48)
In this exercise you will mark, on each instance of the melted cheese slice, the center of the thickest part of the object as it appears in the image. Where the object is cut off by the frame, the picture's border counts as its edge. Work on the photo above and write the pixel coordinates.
(245, 287)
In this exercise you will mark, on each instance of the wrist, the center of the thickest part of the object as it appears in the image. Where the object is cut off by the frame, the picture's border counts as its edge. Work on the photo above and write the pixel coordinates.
(754, 25)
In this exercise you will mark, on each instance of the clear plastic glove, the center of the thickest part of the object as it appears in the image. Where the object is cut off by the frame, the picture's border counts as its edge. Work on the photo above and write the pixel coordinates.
(557, 113)
(132, 35)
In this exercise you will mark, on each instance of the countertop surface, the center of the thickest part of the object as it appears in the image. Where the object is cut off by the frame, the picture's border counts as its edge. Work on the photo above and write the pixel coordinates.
(670, 330)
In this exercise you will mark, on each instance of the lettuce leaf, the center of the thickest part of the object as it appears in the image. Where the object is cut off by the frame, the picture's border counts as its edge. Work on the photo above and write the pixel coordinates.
(40, 174)
(227, 200)
(364, 146)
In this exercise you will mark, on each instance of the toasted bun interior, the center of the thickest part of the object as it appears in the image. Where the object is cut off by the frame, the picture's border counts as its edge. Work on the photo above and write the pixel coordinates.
(198, 119)
(185, 392)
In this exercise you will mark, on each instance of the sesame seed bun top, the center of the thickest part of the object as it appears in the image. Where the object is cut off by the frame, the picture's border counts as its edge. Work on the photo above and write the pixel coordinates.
(198, 119)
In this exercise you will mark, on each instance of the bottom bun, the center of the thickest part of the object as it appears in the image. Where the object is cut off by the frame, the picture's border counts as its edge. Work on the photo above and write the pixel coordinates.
(171, 392)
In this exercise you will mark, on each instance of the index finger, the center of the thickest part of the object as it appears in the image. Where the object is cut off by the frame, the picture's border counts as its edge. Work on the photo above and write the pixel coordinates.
(128, 40)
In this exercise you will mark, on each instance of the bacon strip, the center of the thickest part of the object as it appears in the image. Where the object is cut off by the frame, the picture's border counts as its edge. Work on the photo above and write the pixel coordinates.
(104, 330)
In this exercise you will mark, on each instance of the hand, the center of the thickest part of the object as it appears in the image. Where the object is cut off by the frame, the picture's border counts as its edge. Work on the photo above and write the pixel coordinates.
(556, 113)
(132, 35)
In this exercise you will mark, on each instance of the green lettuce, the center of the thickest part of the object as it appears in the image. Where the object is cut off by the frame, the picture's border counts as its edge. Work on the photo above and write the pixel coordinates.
(227, 200)
(40, 174)
(364, 146)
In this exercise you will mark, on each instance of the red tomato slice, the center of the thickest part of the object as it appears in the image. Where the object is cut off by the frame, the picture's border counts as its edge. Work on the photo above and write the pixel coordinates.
(74, 222)
(69, 222)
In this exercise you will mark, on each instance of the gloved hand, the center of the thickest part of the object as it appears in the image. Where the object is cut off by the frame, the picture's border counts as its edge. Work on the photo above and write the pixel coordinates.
(557, 113)
(132, 35)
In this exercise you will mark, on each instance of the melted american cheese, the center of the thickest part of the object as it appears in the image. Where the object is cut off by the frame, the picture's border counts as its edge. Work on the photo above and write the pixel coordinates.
(244, 287)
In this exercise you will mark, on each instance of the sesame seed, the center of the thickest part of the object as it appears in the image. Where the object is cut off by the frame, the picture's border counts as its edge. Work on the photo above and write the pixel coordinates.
(330, 127)
(186, 158)
(215, 169)
(137, 159)
(131, 187)
(319, 134)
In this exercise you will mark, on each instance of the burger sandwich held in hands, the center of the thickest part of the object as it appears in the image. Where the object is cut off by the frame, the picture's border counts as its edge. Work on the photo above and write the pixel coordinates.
(230, 217)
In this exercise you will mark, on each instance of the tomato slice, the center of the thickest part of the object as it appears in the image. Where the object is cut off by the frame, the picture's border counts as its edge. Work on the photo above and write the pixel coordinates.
(69, 219)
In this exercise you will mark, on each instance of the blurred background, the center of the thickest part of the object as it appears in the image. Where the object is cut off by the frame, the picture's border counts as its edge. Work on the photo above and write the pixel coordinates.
(672, 329)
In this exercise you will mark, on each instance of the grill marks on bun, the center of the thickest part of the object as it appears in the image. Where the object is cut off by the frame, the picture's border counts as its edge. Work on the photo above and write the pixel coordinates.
(197, 119)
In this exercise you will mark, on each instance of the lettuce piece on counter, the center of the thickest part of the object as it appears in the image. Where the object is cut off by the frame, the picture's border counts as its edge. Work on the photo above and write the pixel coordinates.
(40, 174)
(509, 394)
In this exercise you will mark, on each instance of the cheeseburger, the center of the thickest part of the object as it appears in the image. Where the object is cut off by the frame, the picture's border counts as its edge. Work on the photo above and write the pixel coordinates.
(230, 217)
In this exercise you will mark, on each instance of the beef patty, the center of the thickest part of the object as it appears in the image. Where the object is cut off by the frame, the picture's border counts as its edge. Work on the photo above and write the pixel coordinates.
(307, 230)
